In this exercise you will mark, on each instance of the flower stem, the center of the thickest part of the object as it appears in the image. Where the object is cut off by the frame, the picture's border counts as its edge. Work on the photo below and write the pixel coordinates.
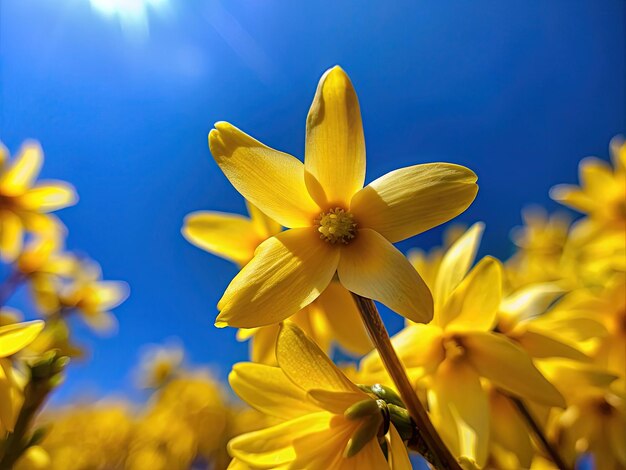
(44, 377)
(538, 432)
(427, 442)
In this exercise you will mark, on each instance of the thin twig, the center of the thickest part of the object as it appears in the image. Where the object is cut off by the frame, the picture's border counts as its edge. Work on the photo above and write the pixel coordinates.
(538, 432)
(427, 441)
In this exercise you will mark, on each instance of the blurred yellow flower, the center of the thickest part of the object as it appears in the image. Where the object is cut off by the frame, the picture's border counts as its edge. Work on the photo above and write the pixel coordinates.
(595, 419)
(159, 364)
(24, 204)
(454, 353)
(335, 226)
(327, 421)
(333, 316)
(75, 285)
(602, 191)
(13, 338)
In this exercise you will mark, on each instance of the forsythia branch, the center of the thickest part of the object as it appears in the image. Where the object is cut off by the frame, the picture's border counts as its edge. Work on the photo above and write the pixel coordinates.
(538, 432)
(45, 376)
(427, 441)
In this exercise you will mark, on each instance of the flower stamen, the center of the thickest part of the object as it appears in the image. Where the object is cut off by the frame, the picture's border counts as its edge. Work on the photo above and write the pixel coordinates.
(336, 225)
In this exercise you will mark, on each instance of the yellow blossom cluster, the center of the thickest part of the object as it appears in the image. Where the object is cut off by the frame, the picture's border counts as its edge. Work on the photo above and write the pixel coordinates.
(517, 363)
(62, 285)
(185, 423)
(502, 364)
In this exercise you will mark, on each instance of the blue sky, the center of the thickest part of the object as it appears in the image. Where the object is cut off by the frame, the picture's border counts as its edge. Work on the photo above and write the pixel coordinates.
(518, 91)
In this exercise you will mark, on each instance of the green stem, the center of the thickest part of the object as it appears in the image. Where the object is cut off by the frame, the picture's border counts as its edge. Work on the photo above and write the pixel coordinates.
(427, 441)
(45, 374)
(17, 442)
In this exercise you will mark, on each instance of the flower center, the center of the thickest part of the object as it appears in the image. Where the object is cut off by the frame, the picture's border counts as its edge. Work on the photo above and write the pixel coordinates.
(336, 225)
(454, 349)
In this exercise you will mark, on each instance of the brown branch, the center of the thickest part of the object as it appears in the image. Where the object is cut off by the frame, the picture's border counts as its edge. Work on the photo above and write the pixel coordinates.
(538, 432)
(427, 441)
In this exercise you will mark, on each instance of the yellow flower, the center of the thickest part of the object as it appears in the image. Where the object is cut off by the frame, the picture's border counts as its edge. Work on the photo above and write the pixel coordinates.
(454, 353)
(333, 316)
(197, 400)
(327, 421)
(540, 241)
(82, 291)
(91, 436)
(24, 204)
(595, 419)
(427, 263)
(602, 191)
(159, 364)
(13, 338)
(335, 226)
(597, 322)
(526, 317)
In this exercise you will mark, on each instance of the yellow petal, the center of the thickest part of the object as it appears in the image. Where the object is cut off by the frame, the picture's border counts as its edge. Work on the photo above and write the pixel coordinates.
(102, 322)
(411, 200)
(596, 177)
(268, 389)
(105, 295)
(7, 391)
(337, 402)
(344, 319)
(456, 263)
(474, 303)
(539, 344)
(230, 236)
(572, 196)
(306, 364)
(457, 392)
(370, 457)
(288, 272)
(271, 180)
(264, 226)
(509, 367)
(508, 428)
(17, 336)
(417, 345)
(273, 447)
(48, 196)
(263, 344)
(372, 267)
(11, 235)
(335, 146)
(618, 153)
(398, 455)
(530, 301)
(572, 377)
(22, 171)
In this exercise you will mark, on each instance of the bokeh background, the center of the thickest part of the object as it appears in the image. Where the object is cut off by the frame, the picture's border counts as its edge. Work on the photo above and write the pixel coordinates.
(122, 94)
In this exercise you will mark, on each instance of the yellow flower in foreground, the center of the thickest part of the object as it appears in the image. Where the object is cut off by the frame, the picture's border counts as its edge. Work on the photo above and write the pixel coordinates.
(454, 353)
(602, 191)
(13, 338)
(333, 316)
(327, 421)
(335, 226)
(23, 203)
